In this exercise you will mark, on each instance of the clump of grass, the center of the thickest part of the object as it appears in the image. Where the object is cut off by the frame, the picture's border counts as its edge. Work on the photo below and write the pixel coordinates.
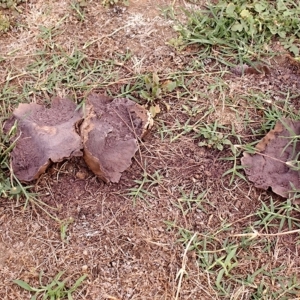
(155, 88)
(4, 23)
(10, 3)
(212, 136)
(142, 189)
(242, 27)
(55, 290)
(8, 187)
(108, 3)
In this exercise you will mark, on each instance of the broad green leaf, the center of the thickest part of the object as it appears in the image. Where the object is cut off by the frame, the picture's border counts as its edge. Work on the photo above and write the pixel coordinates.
(282, 34)
(154, 110)
(24, 285)
(220, 147)
(171, 86)
(237, 27)
(230, 9)
(260, 7)
(295, 50)
(288, 13)
(219, 278)
(78, 282)
(281, 5)
(156, 91)
(227, 142)
(145, 95)
(273, 29)
(155, 79)
(148, 82)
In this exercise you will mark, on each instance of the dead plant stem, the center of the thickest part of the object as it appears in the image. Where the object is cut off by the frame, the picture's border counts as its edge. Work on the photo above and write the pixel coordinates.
(183, 266)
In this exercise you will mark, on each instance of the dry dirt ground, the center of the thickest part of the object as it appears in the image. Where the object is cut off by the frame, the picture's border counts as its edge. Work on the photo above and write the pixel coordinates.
(130, 247)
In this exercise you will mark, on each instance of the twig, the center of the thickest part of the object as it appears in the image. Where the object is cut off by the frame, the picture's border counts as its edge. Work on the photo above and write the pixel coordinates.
(257, 234)
(182, 270)
(105, 36)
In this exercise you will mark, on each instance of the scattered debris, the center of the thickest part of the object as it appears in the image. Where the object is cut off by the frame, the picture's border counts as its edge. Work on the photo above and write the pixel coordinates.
(110, 134)
(272, 165)
(256, 69)
(44, 136)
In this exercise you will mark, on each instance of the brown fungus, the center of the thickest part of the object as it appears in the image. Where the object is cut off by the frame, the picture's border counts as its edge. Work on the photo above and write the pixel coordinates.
(44, 135)
(110, 133)
(271, 165)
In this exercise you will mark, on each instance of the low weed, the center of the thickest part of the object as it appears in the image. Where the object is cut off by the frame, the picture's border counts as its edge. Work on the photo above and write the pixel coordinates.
(64, 225)
(55, 290)
(191, 109)
(52, 73)
(142, 190)
(189, 126)
(236, 171)
(191, 201)
(212, 137)
(155, 88)
(219, 262)
(168, 12)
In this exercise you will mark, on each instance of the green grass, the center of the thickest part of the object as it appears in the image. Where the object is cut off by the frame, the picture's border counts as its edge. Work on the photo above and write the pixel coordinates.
(190, 201)
(4, 23)
(244, 28)
(55, 290)
(223, 255)
(232, 33)
(278, 216)
(236, 259)
(142, 188)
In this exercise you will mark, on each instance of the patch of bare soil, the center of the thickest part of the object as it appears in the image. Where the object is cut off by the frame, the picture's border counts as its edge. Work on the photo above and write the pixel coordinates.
(126, 246)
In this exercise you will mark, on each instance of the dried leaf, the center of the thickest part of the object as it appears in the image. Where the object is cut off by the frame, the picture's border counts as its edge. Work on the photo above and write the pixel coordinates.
(154, 110)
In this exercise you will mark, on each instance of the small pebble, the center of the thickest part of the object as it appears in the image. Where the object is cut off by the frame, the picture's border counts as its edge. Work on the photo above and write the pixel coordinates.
(84, 268)
(81, 175)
